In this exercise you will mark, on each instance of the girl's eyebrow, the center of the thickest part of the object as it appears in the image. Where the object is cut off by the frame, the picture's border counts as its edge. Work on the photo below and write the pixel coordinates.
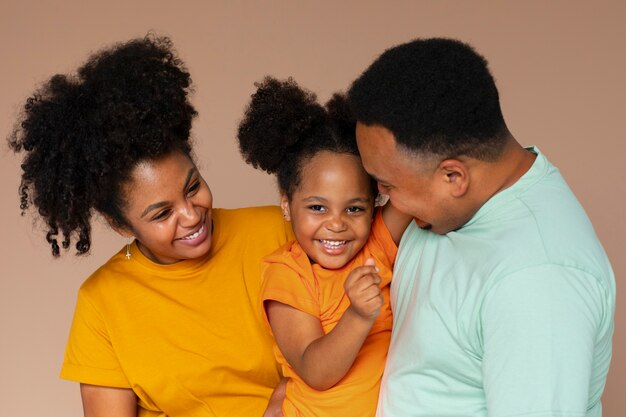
(315, 198)
(164, 203)
(365, 200)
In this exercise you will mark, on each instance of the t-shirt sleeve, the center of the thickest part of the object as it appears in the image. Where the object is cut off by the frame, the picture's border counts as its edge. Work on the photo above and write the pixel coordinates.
(283, 284)
(89, 355)
(542, 342)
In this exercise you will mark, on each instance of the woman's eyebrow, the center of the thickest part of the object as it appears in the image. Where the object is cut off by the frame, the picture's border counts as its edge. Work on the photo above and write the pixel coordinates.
(153, 206)
(164, 203)
(188, 179)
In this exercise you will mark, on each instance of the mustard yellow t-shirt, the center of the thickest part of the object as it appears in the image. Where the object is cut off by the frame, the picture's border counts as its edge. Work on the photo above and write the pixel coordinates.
(186, 337)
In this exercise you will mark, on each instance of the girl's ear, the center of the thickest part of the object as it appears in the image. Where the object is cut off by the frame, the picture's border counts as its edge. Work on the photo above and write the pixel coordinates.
(284, 206)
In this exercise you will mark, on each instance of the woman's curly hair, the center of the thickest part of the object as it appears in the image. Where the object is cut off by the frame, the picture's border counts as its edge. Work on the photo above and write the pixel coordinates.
(284, 126)
(83, 134)
(436, 96)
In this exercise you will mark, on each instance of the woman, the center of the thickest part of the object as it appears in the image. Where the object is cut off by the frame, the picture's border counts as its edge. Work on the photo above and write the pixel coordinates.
(168, 326)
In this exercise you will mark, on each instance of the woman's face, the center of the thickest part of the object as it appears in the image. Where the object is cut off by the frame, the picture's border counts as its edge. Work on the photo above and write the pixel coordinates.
(168, 206)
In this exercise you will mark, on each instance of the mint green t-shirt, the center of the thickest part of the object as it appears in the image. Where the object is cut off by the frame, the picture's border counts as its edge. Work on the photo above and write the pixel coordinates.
(511, 315)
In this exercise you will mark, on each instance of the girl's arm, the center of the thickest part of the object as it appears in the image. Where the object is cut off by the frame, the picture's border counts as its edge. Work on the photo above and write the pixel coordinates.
(396, 221)
(101, 401)
(322, 360)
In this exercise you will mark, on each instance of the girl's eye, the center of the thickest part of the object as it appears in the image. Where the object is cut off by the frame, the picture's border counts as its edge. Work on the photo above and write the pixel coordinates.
(162, 215)
(355, 209)
(317, 207)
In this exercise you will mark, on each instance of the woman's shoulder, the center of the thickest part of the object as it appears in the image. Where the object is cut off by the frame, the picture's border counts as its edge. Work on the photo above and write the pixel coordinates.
(260, 227)
(245, 212)
(106, 276)
(261, 218)
(128, 271)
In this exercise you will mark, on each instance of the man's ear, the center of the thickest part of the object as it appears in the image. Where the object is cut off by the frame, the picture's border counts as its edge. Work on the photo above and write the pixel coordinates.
(284, 206)
(455, 174)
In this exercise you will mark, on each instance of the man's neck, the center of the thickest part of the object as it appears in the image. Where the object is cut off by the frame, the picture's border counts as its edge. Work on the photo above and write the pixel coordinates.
(514, 162)
(490, 178)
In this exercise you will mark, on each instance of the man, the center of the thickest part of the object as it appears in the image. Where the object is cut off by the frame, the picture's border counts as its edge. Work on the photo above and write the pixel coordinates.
(503, 297)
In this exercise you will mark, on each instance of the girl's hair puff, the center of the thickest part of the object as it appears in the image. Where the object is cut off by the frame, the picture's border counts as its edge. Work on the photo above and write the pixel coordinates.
(83, 134)
(284, 126)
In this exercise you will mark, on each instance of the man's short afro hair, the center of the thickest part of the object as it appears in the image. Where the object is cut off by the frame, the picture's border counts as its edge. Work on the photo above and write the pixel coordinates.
(436, 96)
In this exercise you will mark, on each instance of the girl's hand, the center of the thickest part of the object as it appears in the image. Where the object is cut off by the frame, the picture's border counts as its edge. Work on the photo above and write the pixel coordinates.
(362, 289)
(322, 359)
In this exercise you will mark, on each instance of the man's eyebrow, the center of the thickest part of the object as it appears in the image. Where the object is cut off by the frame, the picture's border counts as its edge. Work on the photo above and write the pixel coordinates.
(379, 180)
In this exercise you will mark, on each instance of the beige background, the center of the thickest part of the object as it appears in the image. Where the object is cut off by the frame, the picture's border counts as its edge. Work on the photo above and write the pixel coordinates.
(560, 67)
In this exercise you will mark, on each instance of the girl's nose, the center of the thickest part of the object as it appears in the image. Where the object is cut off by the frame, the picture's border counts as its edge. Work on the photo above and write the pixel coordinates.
(336, 224)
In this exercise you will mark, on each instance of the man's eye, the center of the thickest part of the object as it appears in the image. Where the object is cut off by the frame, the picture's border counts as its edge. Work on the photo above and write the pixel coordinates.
(316, 207)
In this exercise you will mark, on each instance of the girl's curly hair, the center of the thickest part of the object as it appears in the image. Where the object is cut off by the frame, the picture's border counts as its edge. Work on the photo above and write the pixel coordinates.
(83, 134)
(284, 126)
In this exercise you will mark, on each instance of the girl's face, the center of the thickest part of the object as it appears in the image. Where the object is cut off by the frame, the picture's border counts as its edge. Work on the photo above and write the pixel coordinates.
(169, 209)
(331, 212)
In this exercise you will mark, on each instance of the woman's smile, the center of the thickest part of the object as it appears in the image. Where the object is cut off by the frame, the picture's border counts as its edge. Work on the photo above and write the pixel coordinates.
(197, 237)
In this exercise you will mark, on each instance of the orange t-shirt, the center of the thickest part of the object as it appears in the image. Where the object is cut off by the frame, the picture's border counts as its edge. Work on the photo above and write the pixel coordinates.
(290, 278)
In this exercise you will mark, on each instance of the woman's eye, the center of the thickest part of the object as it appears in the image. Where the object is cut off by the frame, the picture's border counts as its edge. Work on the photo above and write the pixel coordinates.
(193, 188)
(162, 215)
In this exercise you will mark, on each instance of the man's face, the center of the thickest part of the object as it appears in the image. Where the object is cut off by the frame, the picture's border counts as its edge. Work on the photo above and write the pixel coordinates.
(415, 185)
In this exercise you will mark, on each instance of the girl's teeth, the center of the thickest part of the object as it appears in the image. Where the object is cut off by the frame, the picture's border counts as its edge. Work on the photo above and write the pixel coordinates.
(333, 243)
(195, 235)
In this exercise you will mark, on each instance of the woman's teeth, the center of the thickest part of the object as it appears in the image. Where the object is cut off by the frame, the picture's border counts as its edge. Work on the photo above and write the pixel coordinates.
(195, 235)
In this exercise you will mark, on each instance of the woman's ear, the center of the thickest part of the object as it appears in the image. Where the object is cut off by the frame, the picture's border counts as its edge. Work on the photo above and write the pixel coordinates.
(284, 206)
(120, 230)
(455, 175)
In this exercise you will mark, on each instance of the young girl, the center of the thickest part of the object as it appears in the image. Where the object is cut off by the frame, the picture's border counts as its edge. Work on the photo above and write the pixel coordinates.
(325, 295)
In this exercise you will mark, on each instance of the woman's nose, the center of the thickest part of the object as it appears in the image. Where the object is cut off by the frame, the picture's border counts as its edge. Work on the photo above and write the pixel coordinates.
(189, 215)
